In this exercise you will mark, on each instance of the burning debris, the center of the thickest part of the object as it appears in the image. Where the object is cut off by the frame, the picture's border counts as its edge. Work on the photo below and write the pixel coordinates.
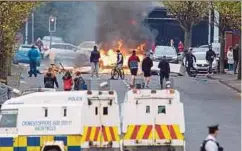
(121, 26)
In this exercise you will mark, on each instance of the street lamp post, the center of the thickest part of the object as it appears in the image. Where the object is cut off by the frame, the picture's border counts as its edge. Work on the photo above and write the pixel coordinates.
(32, 27)
(26, 31)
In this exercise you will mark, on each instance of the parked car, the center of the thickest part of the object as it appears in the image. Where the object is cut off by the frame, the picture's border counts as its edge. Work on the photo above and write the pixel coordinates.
(21, 55)
(46, 41)
(215, 47)
(87, 46)
(201, 63)
(168, 51)
(67, 54)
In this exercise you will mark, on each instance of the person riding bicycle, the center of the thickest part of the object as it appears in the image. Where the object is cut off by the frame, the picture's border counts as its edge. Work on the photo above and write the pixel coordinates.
(120, 60)
(119, 65)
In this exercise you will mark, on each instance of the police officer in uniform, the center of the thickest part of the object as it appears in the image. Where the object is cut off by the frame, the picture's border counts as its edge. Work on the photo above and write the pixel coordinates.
(210, 143)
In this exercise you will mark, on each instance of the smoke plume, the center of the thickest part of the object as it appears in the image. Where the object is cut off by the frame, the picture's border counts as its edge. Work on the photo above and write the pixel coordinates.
(124, 21)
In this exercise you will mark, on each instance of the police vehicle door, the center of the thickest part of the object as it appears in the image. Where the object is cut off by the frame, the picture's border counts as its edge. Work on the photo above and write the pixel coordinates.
(107, 113)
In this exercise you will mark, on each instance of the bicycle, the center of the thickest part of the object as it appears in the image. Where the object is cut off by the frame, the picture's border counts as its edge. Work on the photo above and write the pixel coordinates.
(117, 72)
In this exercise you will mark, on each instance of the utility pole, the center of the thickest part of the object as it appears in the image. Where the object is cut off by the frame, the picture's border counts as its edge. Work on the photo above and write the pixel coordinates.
(209, 24)
(32, 27)
(26, 31)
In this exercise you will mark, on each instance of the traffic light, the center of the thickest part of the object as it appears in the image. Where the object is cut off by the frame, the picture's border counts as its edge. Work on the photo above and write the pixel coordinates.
(52, 24)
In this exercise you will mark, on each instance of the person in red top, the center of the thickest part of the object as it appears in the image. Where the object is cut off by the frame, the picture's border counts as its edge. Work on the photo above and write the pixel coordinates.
(153, 47)
(133, 64)
(67, 80)
(180, 46)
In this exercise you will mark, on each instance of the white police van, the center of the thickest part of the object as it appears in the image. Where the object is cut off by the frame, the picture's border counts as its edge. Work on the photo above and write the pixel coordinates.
(60, 121)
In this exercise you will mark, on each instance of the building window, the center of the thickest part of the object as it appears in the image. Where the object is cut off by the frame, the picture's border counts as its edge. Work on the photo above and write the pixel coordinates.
(161, 110)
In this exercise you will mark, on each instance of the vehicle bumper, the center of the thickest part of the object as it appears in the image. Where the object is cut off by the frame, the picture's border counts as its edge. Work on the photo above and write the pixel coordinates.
(205, 69)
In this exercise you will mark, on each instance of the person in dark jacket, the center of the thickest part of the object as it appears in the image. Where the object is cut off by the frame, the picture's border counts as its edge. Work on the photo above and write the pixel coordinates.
(190, 58)
(78, 81)
(50, 79)
(147, 64)
(236, 57)
(164, 70)
(210, 55)
(67, 79)
(94, 59)
(33, 55)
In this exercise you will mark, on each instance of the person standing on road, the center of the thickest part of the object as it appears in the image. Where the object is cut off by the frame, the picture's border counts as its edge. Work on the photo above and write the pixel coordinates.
(94, 59)
(50, 79)
(210, 143)
(164, 70)
(147, 64)
(180, 47)
(190, 58)
(33, 54)
(120, 59)
(133, 64)
(39, 44)
(230, 59)
(67, 79)
(236, 57)
(210, 56)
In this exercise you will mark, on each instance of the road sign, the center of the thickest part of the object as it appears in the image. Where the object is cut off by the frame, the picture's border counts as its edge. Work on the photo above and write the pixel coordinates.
(52, 24)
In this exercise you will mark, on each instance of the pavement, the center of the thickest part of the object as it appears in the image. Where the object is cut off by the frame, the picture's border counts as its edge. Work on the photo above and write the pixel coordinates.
(228, 79)
(206, 101)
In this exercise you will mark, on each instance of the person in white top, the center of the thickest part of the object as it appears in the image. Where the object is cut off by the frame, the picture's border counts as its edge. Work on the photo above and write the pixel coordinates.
(210, 143)
(230, 58)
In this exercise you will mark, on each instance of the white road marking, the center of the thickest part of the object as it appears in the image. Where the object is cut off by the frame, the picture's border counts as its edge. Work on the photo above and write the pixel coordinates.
(126, 83)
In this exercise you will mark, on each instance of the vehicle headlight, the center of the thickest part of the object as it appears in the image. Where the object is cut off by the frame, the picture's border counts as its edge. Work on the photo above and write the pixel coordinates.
(175, 57)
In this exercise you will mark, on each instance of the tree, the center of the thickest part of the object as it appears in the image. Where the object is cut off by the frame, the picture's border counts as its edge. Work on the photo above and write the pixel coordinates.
(229, 19)
(188, 14)
(12, 16)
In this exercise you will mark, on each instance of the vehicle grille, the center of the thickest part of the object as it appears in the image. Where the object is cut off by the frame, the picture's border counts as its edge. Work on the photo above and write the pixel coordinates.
(202, 65)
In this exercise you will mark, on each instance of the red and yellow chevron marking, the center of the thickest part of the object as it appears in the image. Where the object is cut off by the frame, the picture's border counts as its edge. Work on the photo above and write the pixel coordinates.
(138, 132)
(145, 132)
(100, 134)
(168, 132)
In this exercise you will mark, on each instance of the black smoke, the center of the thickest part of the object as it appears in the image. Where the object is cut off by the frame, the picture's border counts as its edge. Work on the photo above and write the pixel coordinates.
(124, 21)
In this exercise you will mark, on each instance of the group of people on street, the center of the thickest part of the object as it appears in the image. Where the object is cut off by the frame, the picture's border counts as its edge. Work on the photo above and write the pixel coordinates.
(78, 81)
(133, 65)
(233, 58)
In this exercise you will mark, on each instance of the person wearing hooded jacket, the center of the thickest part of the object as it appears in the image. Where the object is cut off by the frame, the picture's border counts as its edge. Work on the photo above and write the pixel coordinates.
(33, 54)
(164, 70)
(50, 79)
(189, 60)
(210, 55)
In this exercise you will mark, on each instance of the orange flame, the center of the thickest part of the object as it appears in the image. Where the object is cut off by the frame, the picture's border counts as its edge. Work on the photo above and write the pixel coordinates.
(109, 57)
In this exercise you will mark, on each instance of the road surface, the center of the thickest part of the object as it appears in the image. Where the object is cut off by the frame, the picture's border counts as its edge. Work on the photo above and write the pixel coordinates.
(205, 102)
